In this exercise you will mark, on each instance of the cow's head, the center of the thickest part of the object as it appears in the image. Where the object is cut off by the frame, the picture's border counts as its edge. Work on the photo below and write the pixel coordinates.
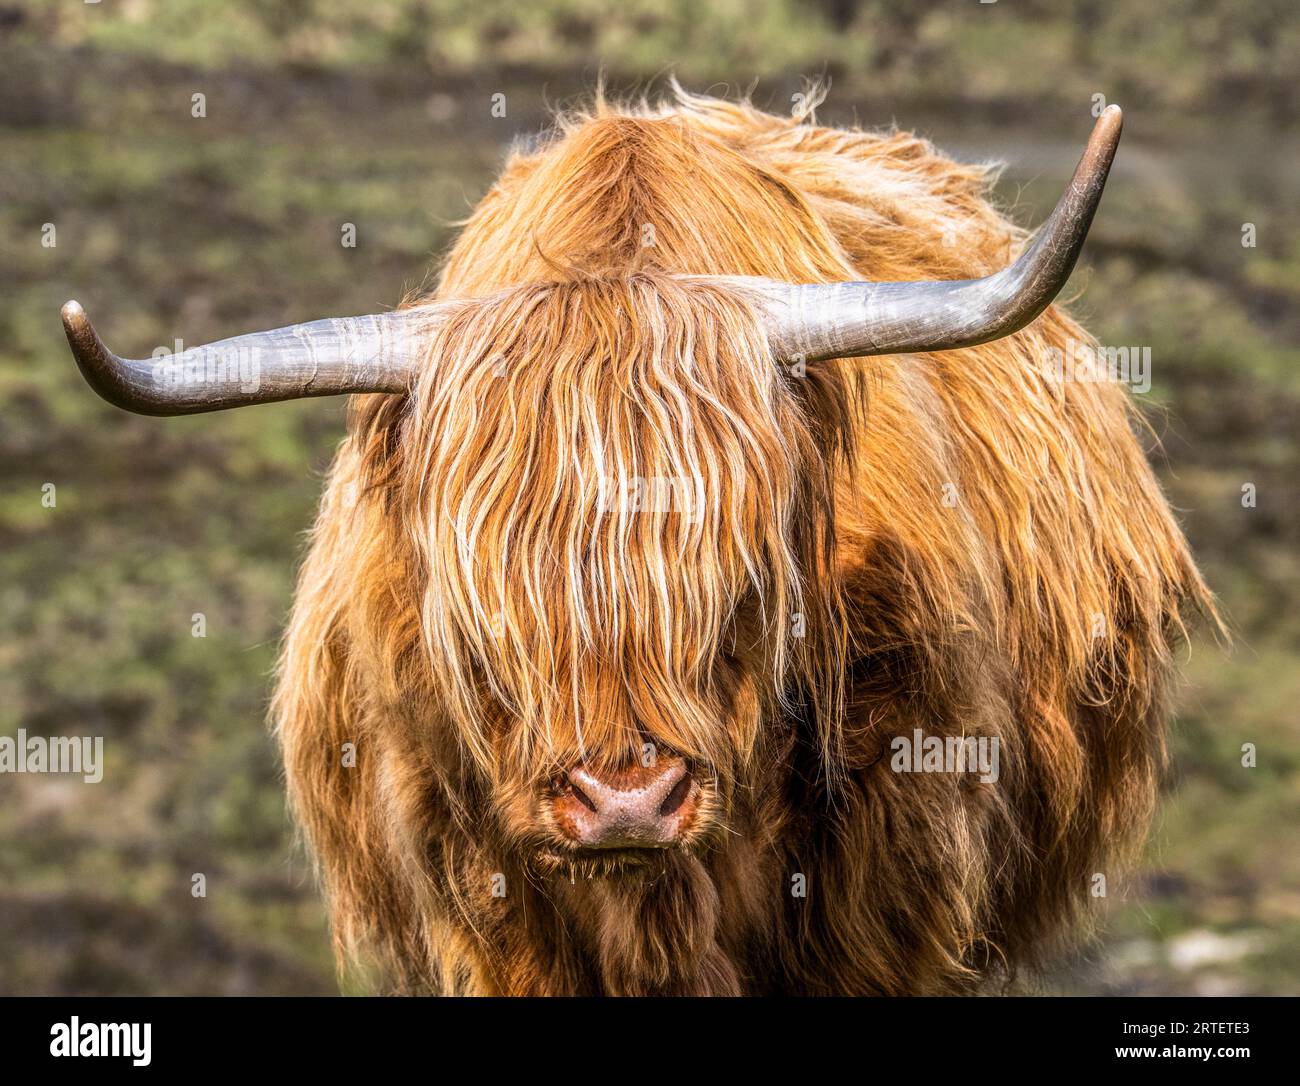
(617, 512)
(611, 502)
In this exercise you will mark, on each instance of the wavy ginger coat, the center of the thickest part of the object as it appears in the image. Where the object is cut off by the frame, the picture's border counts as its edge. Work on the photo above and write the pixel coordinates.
(960, 542)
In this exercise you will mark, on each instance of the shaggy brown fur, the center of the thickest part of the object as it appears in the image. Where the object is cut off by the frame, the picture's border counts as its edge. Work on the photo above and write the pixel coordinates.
(475, 615)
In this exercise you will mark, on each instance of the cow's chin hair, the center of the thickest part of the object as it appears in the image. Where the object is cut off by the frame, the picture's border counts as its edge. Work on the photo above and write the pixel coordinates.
(652, 923)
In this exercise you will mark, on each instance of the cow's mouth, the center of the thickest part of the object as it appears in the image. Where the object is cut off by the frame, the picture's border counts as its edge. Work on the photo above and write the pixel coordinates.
(579, 864)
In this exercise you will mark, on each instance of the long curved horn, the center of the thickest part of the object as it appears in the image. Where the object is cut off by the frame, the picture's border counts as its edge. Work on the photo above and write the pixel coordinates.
(818, 321)
(322, 358)
(811, 322)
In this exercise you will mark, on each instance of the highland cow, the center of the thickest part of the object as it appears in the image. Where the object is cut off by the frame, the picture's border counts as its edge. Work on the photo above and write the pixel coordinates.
(606, 744)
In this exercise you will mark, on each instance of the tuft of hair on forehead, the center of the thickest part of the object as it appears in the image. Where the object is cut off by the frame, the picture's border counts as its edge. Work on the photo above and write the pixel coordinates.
(608, 485)
(656, 187)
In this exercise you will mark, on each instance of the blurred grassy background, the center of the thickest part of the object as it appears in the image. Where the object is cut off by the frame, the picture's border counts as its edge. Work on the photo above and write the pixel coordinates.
(322, 112)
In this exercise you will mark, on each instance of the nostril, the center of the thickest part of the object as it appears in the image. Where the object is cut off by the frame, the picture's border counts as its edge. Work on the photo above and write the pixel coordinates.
(582, 797)
(675, 798)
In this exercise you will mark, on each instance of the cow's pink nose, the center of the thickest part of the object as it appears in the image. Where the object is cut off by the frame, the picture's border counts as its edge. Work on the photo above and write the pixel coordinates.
(638, 807)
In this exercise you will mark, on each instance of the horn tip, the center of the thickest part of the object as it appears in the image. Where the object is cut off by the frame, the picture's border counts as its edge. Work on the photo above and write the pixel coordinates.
(81, 335)
(1104, 140)
(72, 313)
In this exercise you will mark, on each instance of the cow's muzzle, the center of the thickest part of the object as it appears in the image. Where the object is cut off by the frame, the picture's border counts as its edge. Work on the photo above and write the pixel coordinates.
(637, 807)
